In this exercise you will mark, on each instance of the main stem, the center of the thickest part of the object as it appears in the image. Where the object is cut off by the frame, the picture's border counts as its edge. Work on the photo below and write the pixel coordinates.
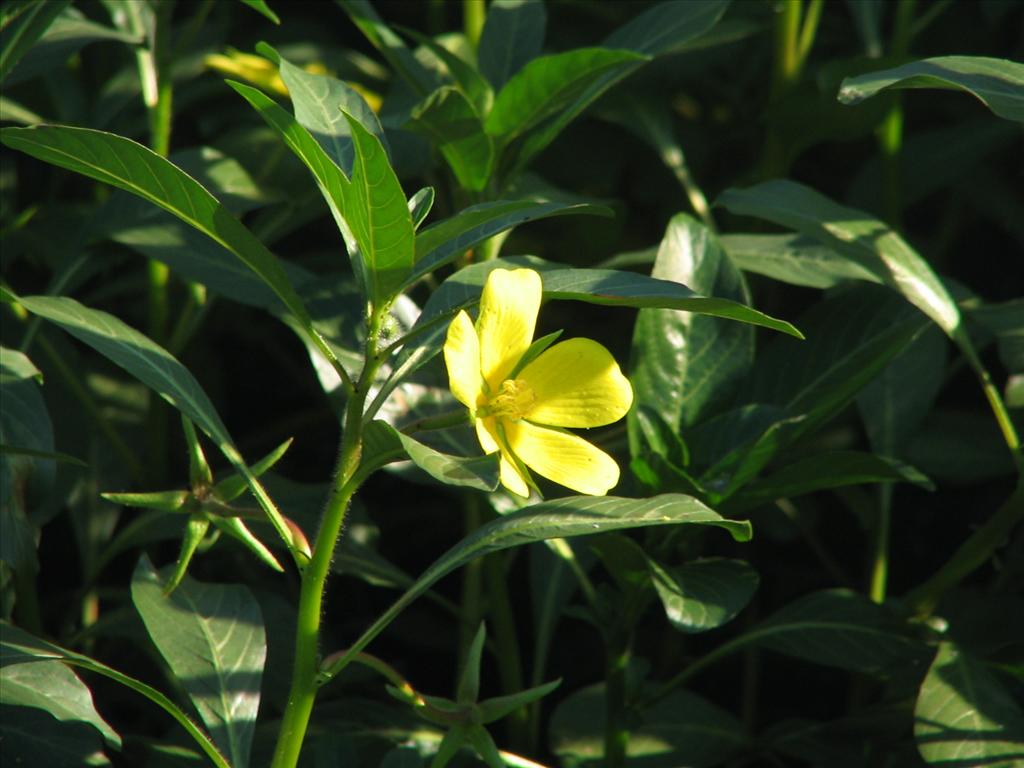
(303, 690)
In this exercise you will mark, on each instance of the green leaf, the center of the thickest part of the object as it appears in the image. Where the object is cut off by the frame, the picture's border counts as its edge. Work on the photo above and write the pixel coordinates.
(26, 25)
(1006, 321)
(19, 647)
(165, 501)
(839, 628)
(832, 469)
(155, 367)
(51, 686)
(549, 84)
(127, 165)
(261, 7)
(683, 363)
(383, 444)
(34, 738)
(468, 80)
(377, 214)
(513, 35)
(211, 636)
(27, 470)
(683, 729)
(964, 716)
(446, 240)
(704, 594)
(420, 205)
(451, 122)
(856, 235)
(320, 103)
(469, 681)
(667, 26)
(560, 518)
(793, 259)
(389, 45)
(996, 83)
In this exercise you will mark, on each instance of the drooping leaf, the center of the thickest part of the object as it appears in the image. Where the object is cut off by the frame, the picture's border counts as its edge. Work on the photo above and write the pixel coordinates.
(212, 638)
(560, 518)
(683, 363)
(320, 104)
(51, 686)
(857, 235)
(155, 367)
(451, 122)
(964, 715)
(128, 165)
(996, 83)
(20, 647)
(704, 594)
(683, 729)
(383, 444)
(549, 84)
(512, 36)
(839, 628)
(793, 259)
(27, 25)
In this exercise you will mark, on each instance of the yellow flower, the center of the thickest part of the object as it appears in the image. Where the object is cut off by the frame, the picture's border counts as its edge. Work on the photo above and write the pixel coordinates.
(521, 410)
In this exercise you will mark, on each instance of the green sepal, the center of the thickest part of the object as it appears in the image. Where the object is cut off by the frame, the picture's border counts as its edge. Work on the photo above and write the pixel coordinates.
(199, 473)
(449, 746)
(490, 710)
(165, 501)
(533, 352)
(194, 533)
(469, 680)
(235, 528)
(484, 745)
(232, 486)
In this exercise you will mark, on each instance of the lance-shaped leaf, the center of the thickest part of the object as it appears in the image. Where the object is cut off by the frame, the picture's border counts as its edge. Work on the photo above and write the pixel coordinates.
(128, 165)
(549, 84)
(793, 259)
(155, 367)
(24, 27)
(451, 122)
(513, 35)
(212, 638)
(560, 518)
(996, 83)
(19, 647)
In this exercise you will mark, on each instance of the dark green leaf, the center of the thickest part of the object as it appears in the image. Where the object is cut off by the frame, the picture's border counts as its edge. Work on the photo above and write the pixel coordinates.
(211, 636)
(682, 729)
(1006, 321)
(513, 35)
(261, 7)
(667, 26)
(704, 594)
(964, 716)
(34, 738)
(684, 363)
(51, 686)
(18, 647)
(390, 45)
(549, 84)
(384, 444)
(451, 122)
(26, 25)
(996, 83)
(793, 259)
(839, 628)
(560, 518)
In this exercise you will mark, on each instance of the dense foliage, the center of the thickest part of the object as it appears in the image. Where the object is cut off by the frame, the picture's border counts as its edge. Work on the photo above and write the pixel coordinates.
(245, 521)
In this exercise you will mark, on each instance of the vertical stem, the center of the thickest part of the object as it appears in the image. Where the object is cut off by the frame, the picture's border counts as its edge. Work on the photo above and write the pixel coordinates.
(474, 12)
(809, 30)
(472, 611)
(616, 736)
(503, 625)
(879, 567)
(785, 73)
(890, 133)
(305, 667)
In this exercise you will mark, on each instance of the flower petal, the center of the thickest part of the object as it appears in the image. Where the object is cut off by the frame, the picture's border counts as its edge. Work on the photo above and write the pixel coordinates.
(508, 313)
(577, 383)
(487, 434)
(462, 356)
(567, 459)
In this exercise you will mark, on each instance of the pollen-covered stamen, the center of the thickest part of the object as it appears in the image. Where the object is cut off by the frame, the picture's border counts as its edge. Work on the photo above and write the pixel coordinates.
(514, 400)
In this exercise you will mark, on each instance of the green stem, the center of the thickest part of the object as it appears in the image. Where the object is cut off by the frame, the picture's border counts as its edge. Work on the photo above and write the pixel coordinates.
(785, 73)
(472, 610)
(503, 628)
(890, 135)
(809, 30)
(474, 12)
(314, 578)
(879, 576)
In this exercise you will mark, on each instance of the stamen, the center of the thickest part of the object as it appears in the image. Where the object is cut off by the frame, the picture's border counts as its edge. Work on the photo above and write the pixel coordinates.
(514, 400)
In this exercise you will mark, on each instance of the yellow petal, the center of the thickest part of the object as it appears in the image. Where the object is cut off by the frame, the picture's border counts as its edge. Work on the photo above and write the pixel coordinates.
(487, 434)
(576, 383)
(567, 459)
(508, 313)
(462, 356)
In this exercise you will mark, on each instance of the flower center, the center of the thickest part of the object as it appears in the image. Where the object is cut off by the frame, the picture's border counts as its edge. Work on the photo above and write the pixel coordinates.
(514, 400)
